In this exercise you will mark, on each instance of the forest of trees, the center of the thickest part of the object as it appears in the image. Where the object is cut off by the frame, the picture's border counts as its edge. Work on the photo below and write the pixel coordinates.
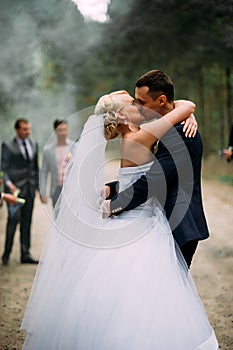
(54, 63)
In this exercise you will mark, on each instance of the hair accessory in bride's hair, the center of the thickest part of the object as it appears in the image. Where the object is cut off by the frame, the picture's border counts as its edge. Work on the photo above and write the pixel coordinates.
(110, 117)
(111, 129)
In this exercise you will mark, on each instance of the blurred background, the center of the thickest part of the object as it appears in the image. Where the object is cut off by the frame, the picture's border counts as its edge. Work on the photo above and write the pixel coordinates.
(55, 62)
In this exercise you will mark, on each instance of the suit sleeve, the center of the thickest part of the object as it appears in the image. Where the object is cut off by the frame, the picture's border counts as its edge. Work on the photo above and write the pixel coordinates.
(230, 143)
(172, 155)
(147, 186)
(5, 161)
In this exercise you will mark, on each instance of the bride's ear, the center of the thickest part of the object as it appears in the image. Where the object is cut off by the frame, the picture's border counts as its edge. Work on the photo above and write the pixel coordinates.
(121, 118)
(162, 100)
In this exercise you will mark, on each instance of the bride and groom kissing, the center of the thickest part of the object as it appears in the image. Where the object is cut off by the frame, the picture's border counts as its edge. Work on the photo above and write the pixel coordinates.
(175, 177)
(138, 294)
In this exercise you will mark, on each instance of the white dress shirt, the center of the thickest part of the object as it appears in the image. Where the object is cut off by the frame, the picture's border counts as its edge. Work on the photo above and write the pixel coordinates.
(22, 149)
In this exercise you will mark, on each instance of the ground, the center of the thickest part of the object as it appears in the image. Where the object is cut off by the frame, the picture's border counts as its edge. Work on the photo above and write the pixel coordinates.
(211, 268)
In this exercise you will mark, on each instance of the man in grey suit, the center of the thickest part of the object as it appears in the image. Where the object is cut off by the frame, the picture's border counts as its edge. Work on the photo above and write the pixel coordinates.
(55, 157)
(20, 167)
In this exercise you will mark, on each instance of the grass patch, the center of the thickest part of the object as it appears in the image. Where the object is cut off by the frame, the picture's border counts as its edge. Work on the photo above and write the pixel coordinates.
(226, 179)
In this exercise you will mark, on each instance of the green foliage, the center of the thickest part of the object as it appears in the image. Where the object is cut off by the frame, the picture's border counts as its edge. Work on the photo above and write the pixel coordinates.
(226, 179)
(54, 62)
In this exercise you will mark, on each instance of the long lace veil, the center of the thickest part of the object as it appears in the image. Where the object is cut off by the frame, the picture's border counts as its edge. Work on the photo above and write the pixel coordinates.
(76, 211)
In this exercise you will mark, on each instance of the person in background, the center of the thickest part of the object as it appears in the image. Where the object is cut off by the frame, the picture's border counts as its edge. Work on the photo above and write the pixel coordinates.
(55, 157)
(20, 168)
(229, 151)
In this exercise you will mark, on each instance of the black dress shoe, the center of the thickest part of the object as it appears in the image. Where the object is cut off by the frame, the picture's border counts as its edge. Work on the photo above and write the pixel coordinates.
(5, 260)
(27, 259)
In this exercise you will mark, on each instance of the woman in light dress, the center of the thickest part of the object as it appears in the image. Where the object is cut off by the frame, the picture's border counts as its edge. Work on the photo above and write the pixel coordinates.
(114, 283)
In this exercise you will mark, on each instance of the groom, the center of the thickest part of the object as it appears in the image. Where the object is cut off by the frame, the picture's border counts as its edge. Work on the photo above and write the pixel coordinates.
(175, 176)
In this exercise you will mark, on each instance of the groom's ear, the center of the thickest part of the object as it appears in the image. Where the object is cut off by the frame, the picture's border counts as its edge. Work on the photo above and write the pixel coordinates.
(162, 100)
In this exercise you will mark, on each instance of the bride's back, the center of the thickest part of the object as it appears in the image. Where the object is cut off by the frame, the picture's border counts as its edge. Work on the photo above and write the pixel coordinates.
(134, 153)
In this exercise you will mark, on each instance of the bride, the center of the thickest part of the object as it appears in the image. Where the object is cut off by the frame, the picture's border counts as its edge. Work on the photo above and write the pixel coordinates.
(115, 283)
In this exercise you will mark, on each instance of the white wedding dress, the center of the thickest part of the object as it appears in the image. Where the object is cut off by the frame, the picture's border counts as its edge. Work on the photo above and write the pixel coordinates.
(135, 295)
(111, 284)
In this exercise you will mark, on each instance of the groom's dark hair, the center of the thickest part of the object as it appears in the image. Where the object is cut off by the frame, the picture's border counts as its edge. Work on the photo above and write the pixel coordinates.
(158, 83)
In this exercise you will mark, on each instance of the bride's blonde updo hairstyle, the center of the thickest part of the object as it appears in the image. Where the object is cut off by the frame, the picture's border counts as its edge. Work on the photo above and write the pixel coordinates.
(108, 106)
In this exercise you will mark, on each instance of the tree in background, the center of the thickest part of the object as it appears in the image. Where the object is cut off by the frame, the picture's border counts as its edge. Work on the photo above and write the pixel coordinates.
(55, 63)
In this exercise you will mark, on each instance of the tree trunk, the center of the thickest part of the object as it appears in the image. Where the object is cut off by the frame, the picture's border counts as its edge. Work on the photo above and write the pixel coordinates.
(202, 109)
(229, 97)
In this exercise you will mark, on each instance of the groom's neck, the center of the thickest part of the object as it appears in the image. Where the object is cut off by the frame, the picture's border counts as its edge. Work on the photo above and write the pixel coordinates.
(167, 108)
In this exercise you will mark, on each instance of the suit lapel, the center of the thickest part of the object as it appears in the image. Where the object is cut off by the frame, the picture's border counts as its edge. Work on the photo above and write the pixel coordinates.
(16, 148)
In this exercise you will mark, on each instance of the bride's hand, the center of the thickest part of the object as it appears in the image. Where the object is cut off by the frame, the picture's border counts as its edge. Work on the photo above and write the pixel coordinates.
(190, 126)
(105, 208)
(104, 192)
(102, 203)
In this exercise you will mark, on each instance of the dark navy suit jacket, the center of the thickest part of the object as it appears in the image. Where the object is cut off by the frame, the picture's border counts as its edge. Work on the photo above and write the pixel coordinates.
(24, 174)
(175, 180)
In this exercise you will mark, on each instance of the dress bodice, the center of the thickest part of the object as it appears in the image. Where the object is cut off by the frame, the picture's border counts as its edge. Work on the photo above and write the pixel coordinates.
(128, 176)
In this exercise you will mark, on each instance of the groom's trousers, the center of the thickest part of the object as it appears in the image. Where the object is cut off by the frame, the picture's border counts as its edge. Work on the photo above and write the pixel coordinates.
(188, 250)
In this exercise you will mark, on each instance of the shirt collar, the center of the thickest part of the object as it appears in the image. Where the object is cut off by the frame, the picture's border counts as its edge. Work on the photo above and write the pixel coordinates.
(19, 140)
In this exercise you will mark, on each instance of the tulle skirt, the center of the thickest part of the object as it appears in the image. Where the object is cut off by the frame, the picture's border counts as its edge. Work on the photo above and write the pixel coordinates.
(139, 296)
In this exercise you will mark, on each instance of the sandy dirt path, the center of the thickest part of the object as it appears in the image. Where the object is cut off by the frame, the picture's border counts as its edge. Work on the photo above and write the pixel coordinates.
(212, 269)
